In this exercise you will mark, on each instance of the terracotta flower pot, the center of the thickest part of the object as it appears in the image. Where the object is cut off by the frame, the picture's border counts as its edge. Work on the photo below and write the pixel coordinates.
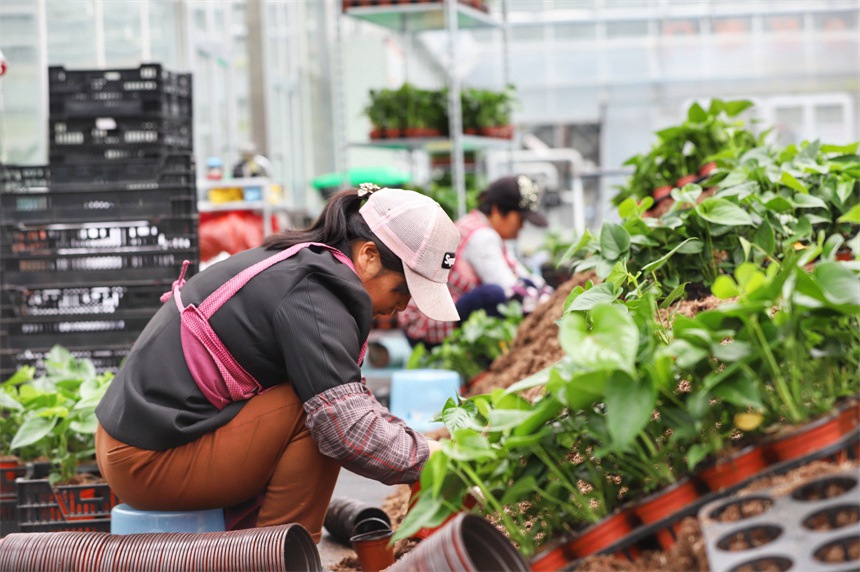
(373, 550)
(685, 180)
(392, 133)
(661, 193)
(605, 533)
(807, 439)
(377, 133)
(727, 472)
(664, 504)
(707, 169)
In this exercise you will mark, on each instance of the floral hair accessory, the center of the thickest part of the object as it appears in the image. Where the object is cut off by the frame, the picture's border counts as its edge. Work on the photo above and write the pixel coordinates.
(365, 189)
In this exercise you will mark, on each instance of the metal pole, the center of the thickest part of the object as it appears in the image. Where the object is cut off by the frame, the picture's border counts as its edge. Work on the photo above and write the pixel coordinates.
(506, 68)
(337, 101)
(455, 114)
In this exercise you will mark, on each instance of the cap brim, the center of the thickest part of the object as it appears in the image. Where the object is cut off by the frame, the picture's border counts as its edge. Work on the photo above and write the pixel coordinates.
(432, 298)
(537, 218)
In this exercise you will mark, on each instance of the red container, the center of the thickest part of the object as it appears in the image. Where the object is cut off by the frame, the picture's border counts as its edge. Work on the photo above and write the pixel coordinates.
(734, 469)
(686, 179)
(707, 169)
(469, 502)
(807, 439)
(605, 533)
(661, 193)
(663, 505)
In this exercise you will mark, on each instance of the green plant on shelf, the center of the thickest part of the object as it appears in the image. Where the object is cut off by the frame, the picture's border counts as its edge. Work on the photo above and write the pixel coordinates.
(53, 416)
(706, 135)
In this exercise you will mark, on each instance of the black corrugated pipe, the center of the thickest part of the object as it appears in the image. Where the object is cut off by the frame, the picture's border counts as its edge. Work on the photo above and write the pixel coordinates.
(285, 548)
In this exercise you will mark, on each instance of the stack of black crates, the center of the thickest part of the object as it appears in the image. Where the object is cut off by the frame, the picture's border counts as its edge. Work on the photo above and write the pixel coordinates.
(90, 242)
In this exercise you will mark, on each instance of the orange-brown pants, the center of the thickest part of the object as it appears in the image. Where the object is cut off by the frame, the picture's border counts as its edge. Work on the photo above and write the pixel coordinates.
(265, 450)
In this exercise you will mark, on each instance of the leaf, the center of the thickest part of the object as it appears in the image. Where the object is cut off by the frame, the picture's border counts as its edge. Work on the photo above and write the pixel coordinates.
(86, 424)
(724, 212)
(852, 216)
(521, 490)
(788, 180)
(10, 403)
(427, 512)
(32, 430)
(584, 389)
(610, 344)
(696, 114)
(505, 419)
(458, 416)
(467, 445)
(765, 238)
(614, 241)
(629, 404)
(740, 391)
(657, 264)
(604, 293)
(539, 378)
(737, 107)
(724, 287)
(802, 201)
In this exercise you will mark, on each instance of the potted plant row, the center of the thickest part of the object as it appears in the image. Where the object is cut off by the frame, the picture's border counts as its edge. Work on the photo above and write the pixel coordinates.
(49, 423)
(645, 401)
(413, 112)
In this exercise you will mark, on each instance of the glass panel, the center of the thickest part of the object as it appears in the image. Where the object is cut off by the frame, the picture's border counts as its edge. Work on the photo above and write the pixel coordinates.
(788, 125)
(71, 34)
(679, 27)
(624, 29)
(731, 25)
(527, 33)
(575, 31)
(164, 34)
(783, 23)
(838, 22)
(122, 34)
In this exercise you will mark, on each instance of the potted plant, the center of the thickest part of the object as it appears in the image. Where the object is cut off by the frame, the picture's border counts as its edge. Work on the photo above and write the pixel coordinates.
(55, 417)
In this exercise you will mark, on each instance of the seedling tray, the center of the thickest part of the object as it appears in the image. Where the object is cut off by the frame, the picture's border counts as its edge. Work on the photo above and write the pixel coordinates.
(94, 331)
(23, 177)
(145, 234)
(90, 268)
(42, 508)
(149, 90)
(98, 205)
(175, 169)
(9, 499)
(99, 301)
(797, 530)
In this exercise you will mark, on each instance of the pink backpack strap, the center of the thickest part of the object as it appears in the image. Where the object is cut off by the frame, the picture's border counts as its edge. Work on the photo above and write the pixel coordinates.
(208, 360)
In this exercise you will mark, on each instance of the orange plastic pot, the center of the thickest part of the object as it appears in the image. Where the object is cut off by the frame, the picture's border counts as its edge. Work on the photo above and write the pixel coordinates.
(663, 505)
(686, 179)
(807, 439)
(707, 169)
(661, 193)
(734, 469)
(605, 533)
(374, 550)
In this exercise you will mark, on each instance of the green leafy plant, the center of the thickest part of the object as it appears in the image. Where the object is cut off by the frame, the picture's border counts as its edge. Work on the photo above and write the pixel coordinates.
(53, 416)
(473, 346)
(706, 135)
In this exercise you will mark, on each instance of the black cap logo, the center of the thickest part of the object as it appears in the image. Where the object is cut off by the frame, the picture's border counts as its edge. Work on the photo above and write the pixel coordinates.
(448, 260)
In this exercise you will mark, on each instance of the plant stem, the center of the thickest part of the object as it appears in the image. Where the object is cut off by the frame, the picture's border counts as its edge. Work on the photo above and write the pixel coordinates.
(781, 385)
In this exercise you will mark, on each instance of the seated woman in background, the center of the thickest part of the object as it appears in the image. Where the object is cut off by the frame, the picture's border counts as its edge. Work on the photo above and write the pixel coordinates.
(484, 274)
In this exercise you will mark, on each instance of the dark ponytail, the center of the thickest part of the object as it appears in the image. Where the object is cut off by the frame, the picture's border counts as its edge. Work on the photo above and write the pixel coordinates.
(338, 225)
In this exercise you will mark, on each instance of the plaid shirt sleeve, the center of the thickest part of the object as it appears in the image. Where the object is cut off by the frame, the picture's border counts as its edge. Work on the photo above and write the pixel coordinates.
(350, 426)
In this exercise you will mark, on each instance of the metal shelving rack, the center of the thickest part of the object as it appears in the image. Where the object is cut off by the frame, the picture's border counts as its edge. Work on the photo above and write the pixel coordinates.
(452, 16)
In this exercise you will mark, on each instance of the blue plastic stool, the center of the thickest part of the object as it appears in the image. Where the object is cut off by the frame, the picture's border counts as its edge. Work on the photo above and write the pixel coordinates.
(419, 394)
(127, 520)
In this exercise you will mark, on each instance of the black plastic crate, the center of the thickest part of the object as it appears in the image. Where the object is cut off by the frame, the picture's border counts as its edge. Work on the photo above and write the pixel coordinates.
(104, 359)
(114, 237)
(148, 90)
(42, 508)
(116, 299)
(117, 138)
(23, 177)
(168, 170)
(90, 331)
(89, 268)
(9, 498)
(97, 205)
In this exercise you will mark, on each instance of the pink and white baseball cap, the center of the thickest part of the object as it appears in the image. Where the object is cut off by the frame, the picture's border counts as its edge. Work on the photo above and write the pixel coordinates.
(420, 233)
